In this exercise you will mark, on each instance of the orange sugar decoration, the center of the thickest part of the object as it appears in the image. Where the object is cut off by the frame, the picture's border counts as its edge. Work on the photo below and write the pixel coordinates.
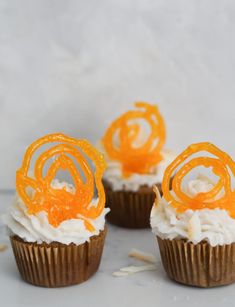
(136, 158)
(59, 204)
(220, 196)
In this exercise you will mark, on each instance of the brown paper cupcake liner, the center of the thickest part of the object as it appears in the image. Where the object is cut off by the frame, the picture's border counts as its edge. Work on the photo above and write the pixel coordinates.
(130, 209)
(199, 264)
(56, 264)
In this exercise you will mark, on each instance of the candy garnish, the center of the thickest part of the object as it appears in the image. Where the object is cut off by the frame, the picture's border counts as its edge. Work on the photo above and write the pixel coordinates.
(136, 158)
(220, 196)
(59, 204)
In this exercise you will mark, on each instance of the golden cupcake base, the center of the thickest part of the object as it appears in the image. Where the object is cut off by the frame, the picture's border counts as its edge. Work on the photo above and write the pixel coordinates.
(56, 264)
(130, 209)
(199, 265)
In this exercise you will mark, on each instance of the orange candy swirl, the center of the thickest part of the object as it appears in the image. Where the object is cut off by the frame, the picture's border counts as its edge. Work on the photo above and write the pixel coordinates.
(220, 196)
(59, 204)
(133, 158)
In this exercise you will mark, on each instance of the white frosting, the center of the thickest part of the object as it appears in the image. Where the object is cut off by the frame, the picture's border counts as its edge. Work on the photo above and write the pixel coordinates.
(114, 176)
(36, 228)
(215, 226)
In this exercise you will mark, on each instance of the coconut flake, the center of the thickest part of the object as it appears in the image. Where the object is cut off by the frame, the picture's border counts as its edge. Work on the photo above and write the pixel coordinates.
(129, 270)
(132, 269)
(3, 247)
(139, 255)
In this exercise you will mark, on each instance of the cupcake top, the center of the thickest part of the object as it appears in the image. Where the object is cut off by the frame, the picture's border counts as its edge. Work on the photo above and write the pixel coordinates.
(46, 209)
(133, 147)
(199, 208)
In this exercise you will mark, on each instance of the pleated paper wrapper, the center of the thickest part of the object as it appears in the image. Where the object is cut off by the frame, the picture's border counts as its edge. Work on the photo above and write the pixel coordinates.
(199, 264)
(56, 264)
(130, 209)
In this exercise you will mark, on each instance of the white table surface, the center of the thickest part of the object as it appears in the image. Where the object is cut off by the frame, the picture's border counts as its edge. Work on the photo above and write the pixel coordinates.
(149, 289)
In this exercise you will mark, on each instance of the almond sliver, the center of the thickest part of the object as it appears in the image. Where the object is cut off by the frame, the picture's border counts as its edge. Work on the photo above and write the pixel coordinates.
(3, 247)
(146, 257)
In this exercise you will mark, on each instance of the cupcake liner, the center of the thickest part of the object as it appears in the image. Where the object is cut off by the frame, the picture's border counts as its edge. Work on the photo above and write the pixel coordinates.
(199, 264)
(130, 209)
(56, 264)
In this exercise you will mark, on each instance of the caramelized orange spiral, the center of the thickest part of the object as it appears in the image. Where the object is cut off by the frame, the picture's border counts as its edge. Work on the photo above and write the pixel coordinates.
(59, 204)
(220, 196)
(136, 159)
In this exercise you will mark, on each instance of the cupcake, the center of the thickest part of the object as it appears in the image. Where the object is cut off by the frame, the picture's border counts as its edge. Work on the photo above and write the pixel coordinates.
(133, 148)
(57, 229)
(194, 221)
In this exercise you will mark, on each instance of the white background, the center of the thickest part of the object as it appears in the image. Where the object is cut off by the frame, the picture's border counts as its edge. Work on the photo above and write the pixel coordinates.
(72, 66)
